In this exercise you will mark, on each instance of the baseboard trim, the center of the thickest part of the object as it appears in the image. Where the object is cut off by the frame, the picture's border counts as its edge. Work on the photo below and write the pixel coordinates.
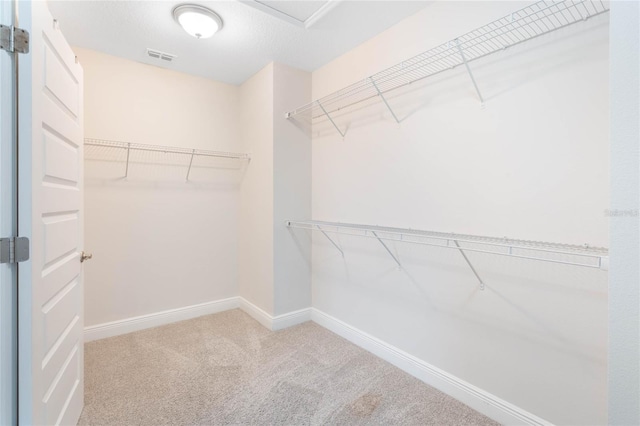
(476, 398)
(290, 319)
(258, 314)
(277, 322)
(129, 325)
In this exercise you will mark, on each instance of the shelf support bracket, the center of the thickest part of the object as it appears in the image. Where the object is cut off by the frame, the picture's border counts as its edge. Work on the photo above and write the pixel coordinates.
(470, 265)
(386, 248)
(126, 170)
(384, 99)
(330, 239)
(193, 152)
(466, 64)
(330, 119)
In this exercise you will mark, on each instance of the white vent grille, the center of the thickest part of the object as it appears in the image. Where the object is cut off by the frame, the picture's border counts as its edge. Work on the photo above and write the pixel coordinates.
(156, 54)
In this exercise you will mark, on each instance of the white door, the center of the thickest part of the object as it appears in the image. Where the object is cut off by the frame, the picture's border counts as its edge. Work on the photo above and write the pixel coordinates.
(8, 228)
(50, 298)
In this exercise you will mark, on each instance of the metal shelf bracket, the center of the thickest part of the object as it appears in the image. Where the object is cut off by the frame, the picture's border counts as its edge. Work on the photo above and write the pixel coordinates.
(387, 249)
(193, 152)
(466, 64)
(384, 99)
(126, 170)
(470, 265)
(330, 239)
(330, 119)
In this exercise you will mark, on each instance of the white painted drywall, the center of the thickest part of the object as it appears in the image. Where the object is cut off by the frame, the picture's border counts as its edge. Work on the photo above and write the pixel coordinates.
(274, 269)
(532, 164)
(255, 233)
(158, 242)
(624, 276)
(292, 191)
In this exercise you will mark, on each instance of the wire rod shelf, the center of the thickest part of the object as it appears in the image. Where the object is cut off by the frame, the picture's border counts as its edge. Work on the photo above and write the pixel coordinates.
(522, 25)
(130, 153)
(566, 254)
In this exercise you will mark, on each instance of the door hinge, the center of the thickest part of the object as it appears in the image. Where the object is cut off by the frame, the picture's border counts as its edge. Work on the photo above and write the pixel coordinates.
(14, 249)
(14, 39)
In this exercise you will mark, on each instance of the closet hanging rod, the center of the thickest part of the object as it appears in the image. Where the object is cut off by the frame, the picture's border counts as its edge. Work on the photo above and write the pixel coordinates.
(586, 256)
(101, 143)
(522, 25)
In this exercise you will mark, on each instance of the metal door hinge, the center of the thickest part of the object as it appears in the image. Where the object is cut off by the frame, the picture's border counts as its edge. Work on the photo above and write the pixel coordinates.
(14, 39)
(14, 249)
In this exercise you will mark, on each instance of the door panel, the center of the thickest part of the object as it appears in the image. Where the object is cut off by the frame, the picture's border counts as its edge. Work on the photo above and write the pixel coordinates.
(60, 158)
(54, 298)
(60, 236)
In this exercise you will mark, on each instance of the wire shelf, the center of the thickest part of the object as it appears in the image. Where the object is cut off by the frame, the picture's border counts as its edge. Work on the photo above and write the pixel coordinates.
(137, 153)
(585, 256)
(525, 24)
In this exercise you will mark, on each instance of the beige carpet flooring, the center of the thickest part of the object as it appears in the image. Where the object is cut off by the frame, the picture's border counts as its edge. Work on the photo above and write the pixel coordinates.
(226, 369)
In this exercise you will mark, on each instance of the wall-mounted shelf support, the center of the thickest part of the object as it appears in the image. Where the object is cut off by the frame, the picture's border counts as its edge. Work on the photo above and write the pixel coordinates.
(470, 265)
(384, 99)
(387, 249)
(126, 170)
(330, 119)
(466, 64)
(331, 240)
(193, 152)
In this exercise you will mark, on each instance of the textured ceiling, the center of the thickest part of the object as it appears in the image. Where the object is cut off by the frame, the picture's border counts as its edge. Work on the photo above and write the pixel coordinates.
(300, 10)
(250, 38)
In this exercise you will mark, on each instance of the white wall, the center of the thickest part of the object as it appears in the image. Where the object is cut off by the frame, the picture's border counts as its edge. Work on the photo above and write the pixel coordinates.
(532, 164)
(255, 235)
(292, 192)
(158, 242)
(274, 269)
(624, 291)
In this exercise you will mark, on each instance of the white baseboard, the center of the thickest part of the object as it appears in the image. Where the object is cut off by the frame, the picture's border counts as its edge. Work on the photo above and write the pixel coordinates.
(258, 314)
(476, 398)
(290, 319)
(128, 325)
(278, 322)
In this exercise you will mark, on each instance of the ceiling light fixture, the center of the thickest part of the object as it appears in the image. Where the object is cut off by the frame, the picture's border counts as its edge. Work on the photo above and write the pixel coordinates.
(198, 21)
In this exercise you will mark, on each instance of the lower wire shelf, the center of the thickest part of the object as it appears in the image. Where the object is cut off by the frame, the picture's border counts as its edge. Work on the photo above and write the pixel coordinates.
(575, 255)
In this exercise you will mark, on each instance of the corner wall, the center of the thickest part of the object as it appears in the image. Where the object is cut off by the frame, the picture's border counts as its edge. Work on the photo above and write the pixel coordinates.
(274, 269)
(255, 231)
(292, 195)
(532, 164)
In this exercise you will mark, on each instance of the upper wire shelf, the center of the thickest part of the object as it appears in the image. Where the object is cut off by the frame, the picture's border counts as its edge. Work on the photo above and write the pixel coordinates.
(525, 24)
(567, 254)
(128, 152)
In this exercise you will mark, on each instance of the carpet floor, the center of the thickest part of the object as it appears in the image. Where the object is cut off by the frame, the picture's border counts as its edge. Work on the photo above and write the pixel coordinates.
(226, 369)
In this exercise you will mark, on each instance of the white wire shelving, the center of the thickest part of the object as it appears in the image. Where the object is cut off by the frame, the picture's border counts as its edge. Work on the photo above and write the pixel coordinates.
(136, 153)
(522, 25)
(566, 254)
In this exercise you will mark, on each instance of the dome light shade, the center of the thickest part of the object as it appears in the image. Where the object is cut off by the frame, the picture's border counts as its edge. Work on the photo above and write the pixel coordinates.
(198, 21)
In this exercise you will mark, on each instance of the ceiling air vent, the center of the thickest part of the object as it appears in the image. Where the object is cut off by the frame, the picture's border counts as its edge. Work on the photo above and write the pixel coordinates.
(156, 54)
